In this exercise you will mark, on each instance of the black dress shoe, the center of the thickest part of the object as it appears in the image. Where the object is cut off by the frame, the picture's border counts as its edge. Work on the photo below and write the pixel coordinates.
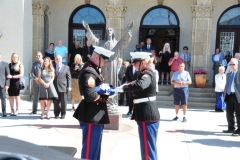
(62, 117)
(56, 117)
(219, 110)
(4, 115)
(236, 133)
(33, 112)
(228, 131)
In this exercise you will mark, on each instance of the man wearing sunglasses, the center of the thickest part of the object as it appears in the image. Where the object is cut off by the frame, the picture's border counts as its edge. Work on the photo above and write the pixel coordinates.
(237, 56)
(92, 111)
(232, 98)
(186, 56)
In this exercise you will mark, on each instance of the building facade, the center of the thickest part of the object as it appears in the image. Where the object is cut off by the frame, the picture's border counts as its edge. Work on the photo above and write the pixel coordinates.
(28, 26)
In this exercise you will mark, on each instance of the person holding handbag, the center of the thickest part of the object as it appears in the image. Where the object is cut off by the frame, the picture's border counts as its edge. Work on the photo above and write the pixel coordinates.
(16, 72)
(220, 82)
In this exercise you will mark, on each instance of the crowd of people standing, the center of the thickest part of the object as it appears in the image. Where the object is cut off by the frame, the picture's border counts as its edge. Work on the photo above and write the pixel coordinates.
(58, 72)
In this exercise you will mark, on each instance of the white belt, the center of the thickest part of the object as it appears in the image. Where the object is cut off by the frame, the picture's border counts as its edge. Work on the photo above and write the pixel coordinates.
(82, 97)
(140, 100)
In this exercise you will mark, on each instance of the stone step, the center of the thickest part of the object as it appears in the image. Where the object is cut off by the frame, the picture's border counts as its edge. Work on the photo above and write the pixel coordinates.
(190, 104)
(190, 99)
(191, 94)
(191, 89)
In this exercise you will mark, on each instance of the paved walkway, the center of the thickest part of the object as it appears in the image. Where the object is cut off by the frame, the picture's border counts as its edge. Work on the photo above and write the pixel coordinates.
(200, 138)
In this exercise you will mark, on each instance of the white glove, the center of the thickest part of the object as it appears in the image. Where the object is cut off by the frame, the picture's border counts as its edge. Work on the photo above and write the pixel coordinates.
(119, 89)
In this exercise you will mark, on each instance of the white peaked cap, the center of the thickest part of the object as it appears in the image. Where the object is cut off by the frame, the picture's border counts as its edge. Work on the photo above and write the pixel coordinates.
(103, 51)
(138, 56)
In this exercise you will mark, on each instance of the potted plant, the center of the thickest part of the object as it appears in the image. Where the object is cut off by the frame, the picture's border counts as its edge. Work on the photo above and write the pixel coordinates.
(200, 76)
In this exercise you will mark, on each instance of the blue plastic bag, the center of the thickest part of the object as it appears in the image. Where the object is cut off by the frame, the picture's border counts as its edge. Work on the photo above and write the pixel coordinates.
(221, 104)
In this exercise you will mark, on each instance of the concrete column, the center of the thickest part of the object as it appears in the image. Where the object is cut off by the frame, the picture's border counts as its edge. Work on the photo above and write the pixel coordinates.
(38, 10)
(160, 2)
(115, 17)
(201, 34)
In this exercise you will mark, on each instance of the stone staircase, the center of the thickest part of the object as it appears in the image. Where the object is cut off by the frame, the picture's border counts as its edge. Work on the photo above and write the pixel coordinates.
(198, 97)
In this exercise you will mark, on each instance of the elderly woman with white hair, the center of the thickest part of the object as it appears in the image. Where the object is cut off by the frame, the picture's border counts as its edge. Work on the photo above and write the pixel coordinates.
(220, 82)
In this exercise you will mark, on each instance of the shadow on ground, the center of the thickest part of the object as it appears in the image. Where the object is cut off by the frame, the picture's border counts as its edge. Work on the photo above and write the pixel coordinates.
(215, 142)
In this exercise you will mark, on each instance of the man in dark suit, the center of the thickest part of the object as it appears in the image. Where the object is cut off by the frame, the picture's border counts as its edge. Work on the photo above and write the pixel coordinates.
(87, 51)
(140, 48)
(232, 98)
(62, 83)
(121, 69)
(4, 84)
(148, 47)
(131, 75)
(36, 66)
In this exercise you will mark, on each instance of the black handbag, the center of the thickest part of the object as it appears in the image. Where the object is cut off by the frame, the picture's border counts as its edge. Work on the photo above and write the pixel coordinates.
(21, 85)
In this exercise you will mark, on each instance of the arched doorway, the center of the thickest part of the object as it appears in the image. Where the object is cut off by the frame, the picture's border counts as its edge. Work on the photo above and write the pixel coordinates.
(90, 14)
(161, 24)
(228, 31)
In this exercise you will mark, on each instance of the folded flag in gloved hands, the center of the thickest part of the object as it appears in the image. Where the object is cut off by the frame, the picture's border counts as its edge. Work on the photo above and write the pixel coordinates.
(105, 89)
(119, 89)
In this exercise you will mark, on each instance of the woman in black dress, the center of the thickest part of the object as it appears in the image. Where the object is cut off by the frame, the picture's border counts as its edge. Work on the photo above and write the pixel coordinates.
(76, 50)
(16, 72)
(165, 56)
(50, 52)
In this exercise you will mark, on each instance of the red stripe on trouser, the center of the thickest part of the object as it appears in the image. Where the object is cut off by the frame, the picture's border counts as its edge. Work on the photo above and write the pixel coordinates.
(145, 140)
(88, 140)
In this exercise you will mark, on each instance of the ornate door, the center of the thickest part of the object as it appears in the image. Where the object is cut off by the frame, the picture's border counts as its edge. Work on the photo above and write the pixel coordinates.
(228, 41)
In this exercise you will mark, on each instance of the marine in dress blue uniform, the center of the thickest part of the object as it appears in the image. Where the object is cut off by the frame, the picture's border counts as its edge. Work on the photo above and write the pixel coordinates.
(92, 111)
(145, 111)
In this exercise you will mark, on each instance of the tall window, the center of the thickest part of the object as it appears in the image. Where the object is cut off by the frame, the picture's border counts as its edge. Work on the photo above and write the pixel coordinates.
(90, 14)
(228, 31)
(161, 24)
(160, 16)
(230, 17)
